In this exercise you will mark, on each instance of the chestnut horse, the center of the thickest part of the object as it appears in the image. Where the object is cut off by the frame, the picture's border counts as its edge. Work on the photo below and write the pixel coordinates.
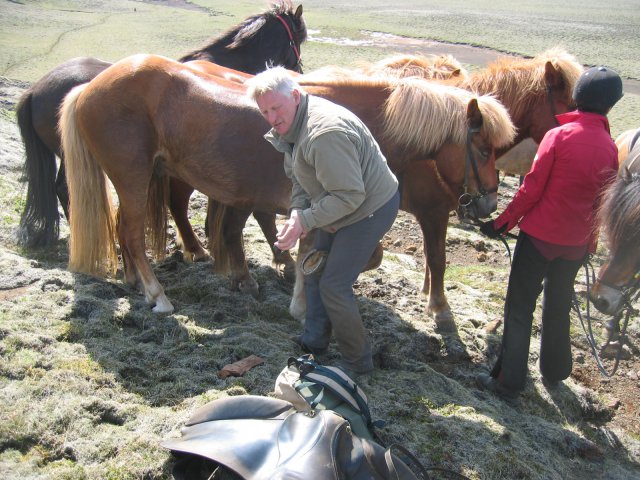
(118, 126)
(271, 37)
(619, 278)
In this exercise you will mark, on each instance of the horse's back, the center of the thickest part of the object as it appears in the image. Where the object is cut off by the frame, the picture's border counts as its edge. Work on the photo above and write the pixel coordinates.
(626, 142)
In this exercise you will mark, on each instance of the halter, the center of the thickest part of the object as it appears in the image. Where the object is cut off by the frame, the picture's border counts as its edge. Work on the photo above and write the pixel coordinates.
(629, 293)
(552, 105)
(292, 43)
(467, 199)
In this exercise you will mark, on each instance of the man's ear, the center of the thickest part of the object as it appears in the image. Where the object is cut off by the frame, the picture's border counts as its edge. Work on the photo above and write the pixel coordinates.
(295, 93)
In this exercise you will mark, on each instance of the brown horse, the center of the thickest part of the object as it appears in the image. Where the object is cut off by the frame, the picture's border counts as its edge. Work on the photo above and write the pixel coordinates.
(533, 91)
(619, 214)
(230, 222)
(117, 125)
(271, 37)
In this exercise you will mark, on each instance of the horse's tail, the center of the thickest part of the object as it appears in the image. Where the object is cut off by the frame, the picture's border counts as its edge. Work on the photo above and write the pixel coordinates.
(39, 223)
(157, 213)
(92, 246)
(216, 213)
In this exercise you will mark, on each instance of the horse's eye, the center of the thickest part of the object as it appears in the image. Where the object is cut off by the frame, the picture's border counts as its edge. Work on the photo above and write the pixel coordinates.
(485, 152)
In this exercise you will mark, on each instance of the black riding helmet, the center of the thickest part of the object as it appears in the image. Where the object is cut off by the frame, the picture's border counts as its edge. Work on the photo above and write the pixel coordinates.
(597, 90)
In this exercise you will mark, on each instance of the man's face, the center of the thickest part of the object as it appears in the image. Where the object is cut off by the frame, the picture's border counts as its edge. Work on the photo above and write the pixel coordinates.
(278, 109)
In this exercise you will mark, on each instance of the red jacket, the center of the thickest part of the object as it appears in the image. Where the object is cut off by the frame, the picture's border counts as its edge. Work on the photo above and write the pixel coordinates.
(557, 201)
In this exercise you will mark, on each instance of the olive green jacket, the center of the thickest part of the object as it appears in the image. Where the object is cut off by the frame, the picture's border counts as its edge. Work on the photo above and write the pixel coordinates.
(338, 172)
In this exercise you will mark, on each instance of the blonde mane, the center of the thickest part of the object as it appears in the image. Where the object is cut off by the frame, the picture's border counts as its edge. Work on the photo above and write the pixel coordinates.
(432, 67)
(522, 81)
(425, 115)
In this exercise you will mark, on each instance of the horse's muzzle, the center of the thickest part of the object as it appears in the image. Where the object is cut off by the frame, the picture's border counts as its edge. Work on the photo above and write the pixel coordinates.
(480, 206)
(606, 299)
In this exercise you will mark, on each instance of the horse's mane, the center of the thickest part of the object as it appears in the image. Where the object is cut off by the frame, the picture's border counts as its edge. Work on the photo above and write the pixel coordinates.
(245, 32)
(426, 115)
(619, 212)
(522, 80)
(423, 115)
(332, 75)
(437, 67)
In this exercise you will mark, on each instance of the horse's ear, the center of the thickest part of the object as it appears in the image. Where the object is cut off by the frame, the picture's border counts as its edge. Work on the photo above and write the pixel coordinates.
(474, 115)
(456, 72)
(298, 13)
(552, 77)
(625, 174)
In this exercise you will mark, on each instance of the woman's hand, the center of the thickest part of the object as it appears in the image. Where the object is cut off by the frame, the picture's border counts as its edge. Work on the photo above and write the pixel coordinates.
(290, 232)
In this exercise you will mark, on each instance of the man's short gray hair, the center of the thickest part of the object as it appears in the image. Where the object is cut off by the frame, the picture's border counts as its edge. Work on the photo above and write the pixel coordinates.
(273, 79)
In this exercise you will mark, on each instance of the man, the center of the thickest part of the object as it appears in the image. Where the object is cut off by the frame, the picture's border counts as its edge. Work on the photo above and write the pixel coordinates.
(555, 209)
(343, 189)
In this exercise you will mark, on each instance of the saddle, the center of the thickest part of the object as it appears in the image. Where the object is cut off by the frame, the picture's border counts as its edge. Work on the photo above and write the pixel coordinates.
(265, 438)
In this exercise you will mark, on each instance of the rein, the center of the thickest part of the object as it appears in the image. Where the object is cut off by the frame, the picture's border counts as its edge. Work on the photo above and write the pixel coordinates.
(629, 293)
(292, 43)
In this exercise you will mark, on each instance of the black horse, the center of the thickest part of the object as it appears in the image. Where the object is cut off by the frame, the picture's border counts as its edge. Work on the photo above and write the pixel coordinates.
(273, 37)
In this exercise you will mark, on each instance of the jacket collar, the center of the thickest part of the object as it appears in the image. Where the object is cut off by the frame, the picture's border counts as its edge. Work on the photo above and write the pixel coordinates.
(586, 117)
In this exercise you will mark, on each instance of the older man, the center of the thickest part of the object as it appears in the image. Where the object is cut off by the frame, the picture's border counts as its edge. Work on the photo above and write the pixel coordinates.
(343, 189)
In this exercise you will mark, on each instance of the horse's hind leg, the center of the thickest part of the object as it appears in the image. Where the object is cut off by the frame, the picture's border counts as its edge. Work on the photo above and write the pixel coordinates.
(132, 245)
(62, 189)
(267, 222)
(232, 225)
(179, 195)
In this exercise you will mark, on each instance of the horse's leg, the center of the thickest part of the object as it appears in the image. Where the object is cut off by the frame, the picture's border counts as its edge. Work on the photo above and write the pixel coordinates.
(267, 222)
(62, 190)
(132, 246)
(434, 231)
(228, 229)
(423, 196)
(179, 194)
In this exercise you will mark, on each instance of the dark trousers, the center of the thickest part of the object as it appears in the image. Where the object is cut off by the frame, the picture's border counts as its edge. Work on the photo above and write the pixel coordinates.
(530, 274)
(331, 303)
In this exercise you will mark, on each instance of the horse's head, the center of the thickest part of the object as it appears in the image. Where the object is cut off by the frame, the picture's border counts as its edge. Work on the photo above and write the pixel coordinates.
(618, 282)
(296, 31)
(534, 90)
(273, 37)
(619, 278)
(489, 128)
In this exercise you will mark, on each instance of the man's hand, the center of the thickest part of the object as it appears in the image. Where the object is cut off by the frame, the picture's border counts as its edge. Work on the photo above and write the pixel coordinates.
(290, 232)
(489, 229)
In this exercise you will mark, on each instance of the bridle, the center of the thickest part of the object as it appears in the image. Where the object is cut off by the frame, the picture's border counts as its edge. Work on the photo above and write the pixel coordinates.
(467, 199)
(629, 293)
(292, 42)
(552, 105)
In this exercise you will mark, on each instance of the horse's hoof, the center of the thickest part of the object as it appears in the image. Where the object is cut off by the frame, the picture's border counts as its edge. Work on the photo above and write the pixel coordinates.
(289, 272)
(204, 257)
(445, 322)
(163, 307)
(250, 287)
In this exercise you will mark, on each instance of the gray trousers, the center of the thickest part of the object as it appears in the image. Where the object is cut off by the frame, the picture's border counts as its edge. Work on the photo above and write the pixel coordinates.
(331, 304)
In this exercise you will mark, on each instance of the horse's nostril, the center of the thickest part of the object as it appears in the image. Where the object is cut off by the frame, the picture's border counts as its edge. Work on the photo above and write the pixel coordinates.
(601, 304)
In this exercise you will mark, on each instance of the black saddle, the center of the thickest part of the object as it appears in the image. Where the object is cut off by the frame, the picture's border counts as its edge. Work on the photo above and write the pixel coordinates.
(266, 438)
